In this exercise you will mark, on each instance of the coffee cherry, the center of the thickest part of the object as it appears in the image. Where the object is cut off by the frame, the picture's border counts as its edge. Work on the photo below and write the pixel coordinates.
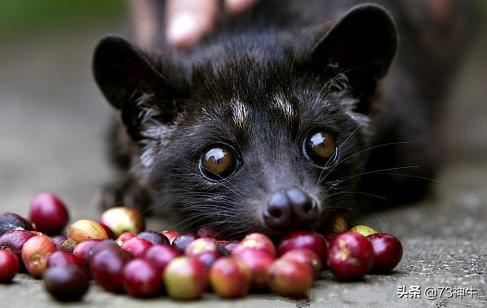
(350, 256)
(11, 221)
(205, 250)
(304, 239)
(200, 246)
(229, 278)
(66, 283)
(170, 234)
(185, 278)
(108, 231)
(161, 255)
(9, 266)
(364, 230)
(101, 245)
(48, 213)
(36, 252)
(258, 262)
(122, 219)
(291, 278)
(62, 258)
(14, 240)
(257, 241)
(182, 241)
(122, 238)
(387, 252)
(136, 246)
(81, 251)
(305, 256)
(154, 237)
(85, 229)
(141, 279)
(106, 268)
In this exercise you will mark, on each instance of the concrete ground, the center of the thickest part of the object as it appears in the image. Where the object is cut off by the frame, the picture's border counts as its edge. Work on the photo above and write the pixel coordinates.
(52, 119)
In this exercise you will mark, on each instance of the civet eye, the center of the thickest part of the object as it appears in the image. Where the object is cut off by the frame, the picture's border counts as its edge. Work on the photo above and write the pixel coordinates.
(319, 146)
(218, 162)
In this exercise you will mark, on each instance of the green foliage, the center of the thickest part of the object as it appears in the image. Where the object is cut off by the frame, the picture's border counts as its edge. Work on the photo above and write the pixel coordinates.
(20, 16)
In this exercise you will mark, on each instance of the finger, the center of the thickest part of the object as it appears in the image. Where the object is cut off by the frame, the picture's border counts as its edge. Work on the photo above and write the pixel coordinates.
(237, 6)
(189, 20)
(144, 22)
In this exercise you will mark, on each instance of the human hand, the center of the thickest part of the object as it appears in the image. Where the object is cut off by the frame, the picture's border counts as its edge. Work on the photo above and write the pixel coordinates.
(188, 21)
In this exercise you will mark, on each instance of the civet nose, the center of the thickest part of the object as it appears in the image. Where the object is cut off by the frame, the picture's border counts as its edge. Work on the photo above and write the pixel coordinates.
(290, 209)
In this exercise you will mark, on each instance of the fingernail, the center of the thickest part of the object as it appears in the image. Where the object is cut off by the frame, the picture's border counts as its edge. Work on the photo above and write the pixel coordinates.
(183, 30)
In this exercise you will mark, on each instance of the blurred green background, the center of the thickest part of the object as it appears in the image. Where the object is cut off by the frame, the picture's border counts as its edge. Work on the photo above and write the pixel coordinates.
(28, 17)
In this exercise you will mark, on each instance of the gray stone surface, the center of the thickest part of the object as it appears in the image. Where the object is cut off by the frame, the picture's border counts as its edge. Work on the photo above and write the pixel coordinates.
(52, 120)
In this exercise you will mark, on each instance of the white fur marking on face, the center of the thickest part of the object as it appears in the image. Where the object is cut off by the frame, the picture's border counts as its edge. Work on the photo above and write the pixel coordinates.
(157, 137)
(282, 105)
(147, 158)
(239, 113)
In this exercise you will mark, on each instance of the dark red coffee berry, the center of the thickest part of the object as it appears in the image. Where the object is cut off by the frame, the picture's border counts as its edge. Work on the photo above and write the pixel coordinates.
(229, 278)
(256, 241)
(161, 255)
(9, 266)
(305, 239)
(101, 245)
(387, 252)
(141, 279)
(14, 240)
(66, 283)
(62, 258)
(136, 246)
(258, 262)
(107, 268)
(122, 238)
(289, 277)
(154, 237)
(182, 241)
(81, 251)
(305, 256)
(48, 213)
(350, 256)
(11, 221)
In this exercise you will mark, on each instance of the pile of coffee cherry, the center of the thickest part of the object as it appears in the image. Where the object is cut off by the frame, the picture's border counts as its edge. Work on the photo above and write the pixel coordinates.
(121, 257)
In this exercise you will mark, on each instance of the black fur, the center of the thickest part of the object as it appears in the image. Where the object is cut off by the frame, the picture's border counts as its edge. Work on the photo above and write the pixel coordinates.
(174, 106)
